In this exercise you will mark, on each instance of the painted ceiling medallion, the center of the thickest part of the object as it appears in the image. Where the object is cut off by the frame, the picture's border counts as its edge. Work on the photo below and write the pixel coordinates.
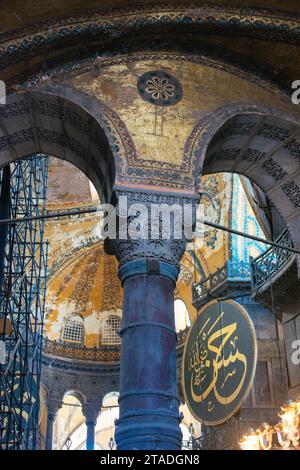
(159, 88)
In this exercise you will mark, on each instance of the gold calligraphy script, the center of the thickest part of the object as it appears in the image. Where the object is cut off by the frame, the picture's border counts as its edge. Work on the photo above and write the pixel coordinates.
(216, 348)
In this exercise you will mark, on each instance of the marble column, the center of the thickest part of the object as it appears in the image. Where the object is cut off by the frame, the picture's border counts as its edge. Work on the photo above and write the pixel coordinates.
(52, 408)
(49, 434)
(149, 403)
(50, 421)
(90, 434)
(90, 413)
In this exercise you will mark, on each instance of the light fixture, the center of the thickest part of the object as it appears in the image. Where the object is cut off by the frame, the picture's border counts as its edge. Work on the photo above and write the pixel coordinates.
(290, 423)
(111, 443)
(265, 436)
(68, 443)
(287, 431)
(250, 441)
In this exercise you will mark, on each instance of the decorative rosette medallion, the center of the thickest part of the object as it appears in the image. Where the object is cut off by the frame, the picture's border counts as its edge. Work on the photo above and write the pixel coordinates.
(159, 88)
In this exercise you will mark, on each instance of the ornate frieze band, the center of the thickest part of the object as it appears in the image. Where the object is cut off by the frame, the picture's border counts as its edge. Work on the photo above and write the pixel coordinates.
(20, 45)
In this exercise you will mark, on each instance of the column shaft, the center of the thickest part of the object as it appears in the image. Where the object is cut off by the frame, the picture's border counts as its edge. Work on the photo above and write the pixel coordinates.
(90, 435)
(149, 416)
(49, 433)
(152, 230)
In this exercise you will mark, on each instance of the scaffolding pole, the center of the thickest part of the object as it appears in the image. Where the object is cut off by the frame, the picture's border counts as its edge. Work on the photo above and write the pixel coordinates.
(23, 265)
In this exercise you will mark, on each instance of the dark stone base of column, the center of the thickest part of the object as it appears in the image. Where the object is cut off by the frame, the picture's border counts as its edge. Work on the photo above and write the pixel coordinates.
(145, 433)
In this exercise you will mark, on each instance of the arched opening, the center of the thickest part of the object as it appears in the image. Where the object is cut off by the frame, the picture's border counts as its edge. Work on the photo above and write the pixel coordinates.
(263, 145)
(70, 425)
(62, 123)
(74, 269)
(233, 201)
(265, 149)
(222, 259)
(25, 261)
(69, 419)
(105, 428)
(84, 295)
(182, 317)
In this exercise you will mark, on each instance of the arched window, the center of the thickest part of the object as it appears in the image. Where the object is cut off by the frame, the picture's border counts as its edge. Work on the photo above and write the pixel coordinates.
(110, 400)
(110, 330)
(73, 330)
(182, 318)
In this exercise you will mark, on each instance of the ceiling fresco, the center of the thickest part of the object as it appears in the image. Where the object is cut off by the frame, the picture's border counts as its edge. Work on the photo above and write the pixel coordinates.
(87, 287)
(144, 95)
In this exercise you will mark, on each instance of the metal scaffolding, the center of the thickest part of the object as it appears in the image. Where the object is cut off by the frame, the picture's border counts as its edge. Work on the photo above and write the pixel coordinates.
(23, 263)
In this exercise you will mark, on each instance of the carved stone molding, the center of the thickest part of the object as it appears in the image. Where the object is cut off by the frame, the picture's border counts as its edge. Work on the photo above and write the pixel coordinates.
(167, 249)
(91, 412)
(52, 407)
(102, 354)
(88, 382)
(22, 44)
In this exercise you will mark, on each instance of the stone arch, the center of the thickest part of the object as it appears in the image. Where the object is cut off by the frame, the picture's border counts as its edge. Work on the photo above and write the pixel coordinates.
(53, 34)
(258, 142)
(61, 122)
(78, 394)
(113, 394)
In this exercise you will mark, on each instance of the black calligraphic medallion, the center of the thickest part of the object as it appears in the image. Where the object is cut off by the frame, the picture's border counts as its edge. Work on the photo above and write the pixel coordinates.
(219, 361)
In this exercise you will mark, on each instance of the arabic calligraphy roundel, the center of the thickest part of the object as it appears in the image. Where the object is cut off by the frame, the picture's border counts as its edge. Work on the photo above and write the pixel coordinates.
(219, 361)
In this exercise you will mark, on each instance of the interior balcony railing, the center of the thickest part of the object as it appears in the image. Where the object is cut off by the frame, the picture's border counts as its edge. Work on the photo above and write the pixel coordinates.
(181, 336)
(272, 263)
(231, 280)
(224, 437)
(103, 353)
(275, 278)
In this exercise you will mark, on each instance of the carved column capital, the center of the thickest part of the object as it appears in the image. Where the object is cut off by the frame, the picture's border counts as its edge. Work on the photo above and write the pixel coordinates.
(91, 412)
(53, 407)
(152, 230)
